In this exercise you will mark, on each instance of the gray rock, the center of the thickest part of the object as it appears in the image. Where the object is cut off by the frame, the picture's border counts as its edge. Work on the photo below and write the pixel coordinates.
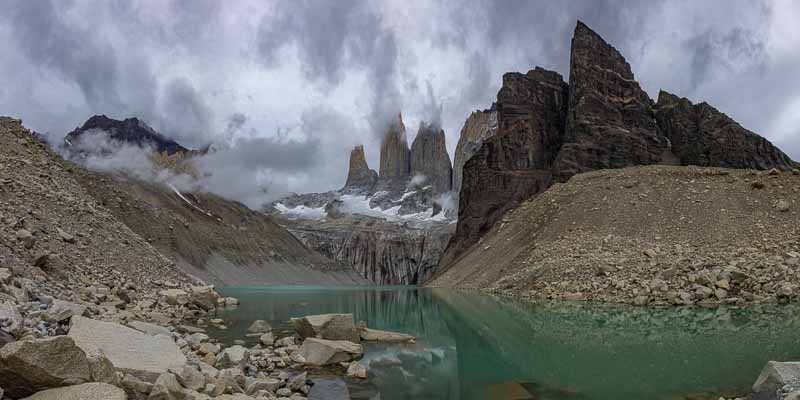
(357, 370)
(327, 326)
(130, 351)
(61, 310)
(135, 387)
(175, 297)
(773, 377)
(267, 339)
(27, 239)
(253, 385)
(329, 389)
(233, 357)
(10, 318)
(150, 329)
(297, 382)
(86, 391)
(166, 387)
(29, 366)
(375, 335)
(190, 377)
(324, 352)
(259, 326)
(65, 236)
(204, 297)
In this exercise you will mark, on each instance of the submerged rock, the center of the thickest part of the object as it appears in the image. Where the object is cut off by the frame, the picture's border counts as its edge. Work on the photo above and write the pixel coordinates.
(773, 377)
(324, 352)
(375, 335)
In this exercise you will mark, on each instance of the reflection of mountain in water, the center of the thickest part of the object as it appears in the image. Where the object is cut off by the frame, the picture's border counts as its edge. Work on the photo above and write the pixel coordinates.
(615, 352)
(469, 342)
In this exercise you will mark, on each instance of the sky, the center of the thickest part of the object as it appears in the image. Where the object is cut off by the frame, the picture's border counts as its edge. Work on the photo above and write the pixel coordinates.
(296, 84)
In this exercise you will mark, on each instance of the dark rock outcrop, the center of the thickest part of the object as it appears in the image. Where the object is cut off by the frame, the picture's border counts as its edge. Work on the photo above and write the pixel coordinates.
(395, 168)
(610, 122)
(515, 163)
(129, 131)
(701, 135)
(429, 158)
(480, 126)
(549, 131)
(359, 176)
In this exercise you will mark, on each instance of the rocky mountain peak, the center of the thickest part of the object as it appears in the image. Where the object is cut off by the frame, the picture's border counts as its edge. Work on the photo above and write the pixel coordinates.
(359, 175)
(699, 134)
(395, 166)
(610, 122)
(429, 158)
(479, 126)
(130, 131)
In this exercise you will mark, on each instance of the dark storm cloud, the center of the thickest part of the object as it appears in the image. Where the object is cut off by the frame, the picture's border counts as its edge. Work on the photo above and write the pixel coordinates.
(720, 52)
(186, 116)
(332, 37)
(329, 74)
(72, 52)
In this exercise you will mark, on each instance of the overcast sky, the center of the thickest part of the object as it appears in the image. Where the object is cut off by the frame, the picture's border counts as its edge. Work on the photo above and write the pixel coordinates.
(301, 82)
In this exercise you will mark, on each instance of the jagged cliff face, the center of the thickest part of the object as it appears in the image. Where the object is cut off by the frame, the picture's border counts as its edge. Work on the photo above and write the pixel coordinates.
(701, 135)
(429, 158)
(610, 122)
(381, 252)
(131, 131)
(516, 162)
(395, 168)
(480, 126)
(359, 176)
(549, 131)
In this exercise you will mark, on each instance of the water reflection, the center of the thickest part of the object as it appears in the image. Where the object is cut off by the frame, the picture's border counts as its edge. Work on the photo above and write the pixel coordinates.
(474, 346)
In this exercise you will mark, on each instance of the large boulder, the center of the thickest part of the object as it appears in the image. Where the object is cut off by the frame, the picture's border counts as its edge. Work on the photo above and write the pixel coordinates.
(29, 366)
(327, 326)
(233, 357)
(175, 297)
(773, 377)
(86, 391)
(130, 351)
(324, 352)
(204, 297)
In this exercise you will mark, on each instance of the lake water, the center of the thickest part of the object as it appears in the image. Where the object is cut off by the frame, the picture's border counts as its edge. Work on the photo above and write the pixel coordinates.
(475, 346)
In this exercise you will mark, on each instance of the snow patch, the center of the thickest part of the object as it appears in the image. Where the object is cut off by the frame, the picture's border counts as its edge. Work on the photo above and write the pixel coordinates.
(302, 212)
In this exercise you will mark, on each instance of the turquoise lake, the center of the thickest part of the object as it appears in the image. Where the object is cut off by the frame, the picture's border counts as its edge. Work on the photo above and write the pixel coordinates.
(476, 346)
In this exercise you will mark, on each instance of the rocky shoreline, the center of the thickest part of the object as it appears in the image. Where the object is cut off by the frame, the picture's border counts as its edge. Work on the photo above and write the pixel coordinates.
(157, 347)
